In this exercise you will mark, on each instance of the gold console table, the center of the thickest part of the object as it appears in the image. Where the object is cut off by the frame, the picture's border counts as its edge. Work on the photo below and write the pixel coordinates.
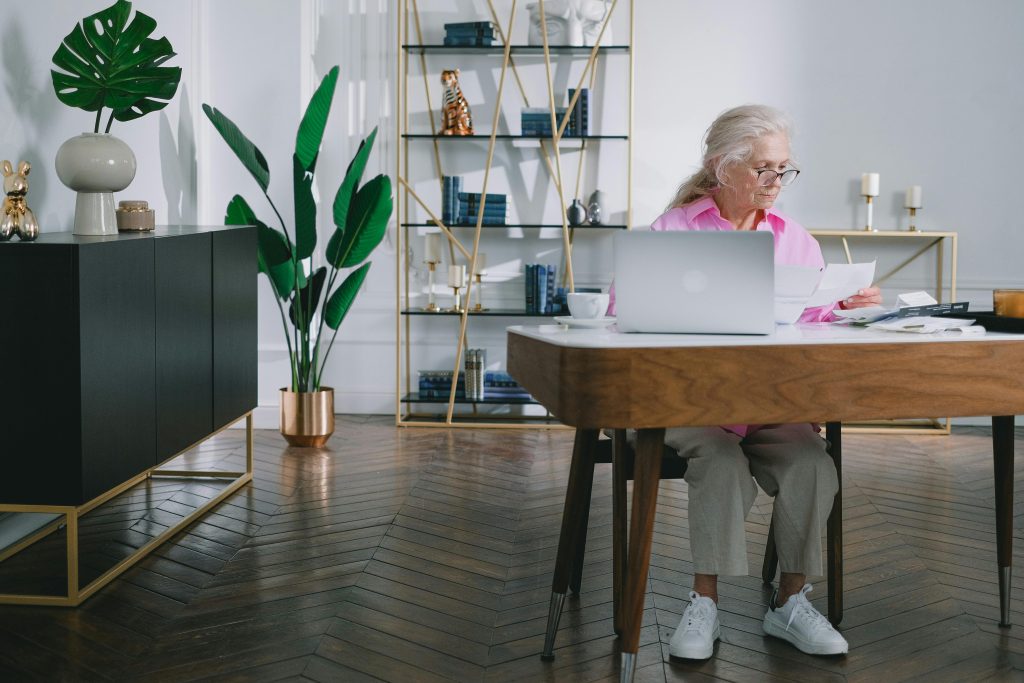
(931, 240)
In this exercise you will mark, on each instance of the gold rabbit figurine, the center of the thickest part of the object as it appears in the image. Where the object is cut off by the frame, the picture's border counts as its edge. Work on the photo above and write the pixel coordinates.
(16, 217)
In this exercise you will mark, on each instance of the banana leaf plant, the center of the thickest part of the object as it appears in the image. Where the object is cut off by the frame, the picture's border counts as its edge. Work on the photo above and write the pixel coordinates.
(107, 62)
(360, 213)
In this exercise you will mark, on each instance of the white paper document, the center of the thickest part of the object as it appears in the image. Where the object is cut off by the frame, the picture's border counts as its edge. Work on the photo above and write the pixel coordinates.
(841, 280)
(928, 325)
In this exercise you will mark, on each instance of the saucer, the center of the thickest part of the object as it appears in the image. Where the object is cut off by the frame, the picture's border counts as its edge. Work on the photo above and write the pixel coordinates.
(584, 322)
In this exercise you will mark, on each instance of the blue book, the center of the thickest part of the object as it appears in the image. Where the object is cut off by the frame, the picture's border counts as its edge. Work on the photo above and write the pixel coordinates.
(528, 287)
(542, 289)
(476, 196)
(549, 301)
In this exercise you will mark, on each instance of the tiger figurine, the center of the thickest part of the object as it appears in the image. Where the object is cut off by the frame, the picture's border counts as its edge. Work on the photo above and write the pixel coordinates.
(456, 119)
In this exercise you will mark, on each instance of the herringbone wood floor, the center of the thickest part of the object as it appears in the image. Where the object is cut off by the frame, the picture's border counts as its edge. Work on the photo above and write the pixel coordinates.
(425, 555)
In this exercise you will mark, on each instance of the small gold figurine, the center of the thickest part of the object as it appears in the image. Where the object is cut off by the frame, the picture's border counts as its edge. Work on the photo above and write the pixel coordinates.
(455, 116)
(16, 217)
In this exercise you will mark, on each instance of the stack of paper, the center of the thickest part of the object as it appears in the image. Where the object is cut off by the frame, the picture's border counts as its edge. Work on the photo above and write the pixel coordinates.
(800, 287)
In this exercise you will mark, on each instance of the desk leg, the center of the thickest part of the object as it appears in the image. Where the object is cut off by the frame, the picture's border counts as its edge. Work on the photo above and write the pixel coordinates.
(577, 501)
(647, 473)
(834, 435)
(1002, 450)
(619, 535)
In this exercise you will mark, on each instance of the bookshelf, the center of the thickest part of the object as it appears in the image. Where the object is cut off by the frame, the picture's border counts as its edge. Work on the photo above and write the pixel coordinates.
(500, 80)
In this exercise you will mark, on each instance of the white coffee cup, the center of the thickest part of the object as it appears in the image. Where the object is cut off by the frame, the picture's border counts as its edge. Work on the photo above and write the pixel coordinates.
(587, 304)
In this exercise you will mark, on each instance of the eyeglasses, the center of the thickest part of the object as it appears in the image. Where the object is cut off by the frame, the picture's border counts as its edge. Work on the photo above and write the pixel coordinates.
(766, 177)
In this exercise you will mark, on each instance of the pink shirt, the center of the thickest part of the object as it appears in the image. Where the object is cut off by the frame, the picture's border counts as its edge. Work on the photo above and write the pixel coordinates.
(794, 246)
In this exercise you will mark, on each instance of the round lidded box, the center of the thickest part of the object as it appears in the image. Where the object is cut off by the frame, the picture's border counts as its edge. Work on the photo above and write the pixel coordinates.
(135, 216)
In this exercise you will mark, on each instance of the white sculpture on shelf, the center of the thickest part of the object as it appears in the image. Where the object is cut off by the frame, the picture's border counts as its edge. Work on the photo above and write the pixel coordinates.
(570, 22)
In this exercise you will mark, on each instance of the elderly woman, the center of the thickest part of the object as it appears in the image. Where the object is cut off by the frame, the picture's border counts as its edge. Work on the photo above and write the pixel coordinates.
(746, 164)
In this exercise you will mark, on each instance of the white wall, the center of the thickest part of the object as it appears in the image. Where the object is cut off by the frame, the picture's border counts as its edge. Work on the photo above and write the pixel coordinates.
(921, 91)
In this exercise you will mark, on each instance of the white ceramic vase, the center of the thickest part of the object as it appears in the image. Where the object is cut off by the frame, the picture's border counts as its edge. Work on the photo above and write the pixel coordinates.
(95, 165)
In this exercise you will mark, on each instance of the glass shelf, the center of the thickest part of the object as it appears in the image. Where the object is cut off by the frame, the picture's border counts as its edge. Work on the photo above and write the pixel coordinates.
(506, 136)
(492, 312)
(498, 49)
(414, 397)
(600, 226)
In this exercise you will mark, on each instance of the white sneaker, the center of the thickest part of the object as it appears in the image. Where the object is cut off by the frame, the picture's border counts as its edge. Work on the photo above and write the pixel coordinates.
(805, 627)
(697, 631)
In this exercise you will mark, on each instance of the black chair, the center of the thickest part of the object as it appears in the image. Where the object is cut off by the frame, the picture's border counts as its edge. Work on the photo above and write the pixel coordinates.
(674, 467)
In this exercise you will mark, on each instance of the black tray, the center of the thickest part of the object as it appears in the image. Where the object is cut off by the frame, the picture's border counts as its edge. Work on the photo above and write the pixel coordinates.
(990, 321)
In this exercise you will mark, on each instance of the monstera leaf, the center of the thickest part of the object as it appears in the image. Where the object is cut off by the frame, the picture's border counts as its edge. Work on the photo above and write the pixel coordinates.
(109, 62)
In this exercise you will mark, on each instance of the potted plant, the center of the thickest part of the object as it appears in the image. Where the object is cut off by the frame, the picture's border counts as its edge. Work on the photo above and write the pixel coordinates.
(107, 62)
(308, 292)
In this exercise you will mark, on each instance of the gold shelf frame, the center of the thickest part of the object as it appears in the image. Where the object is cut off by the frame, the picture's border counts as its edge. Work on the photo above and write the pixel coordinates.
(408, 13)
(70, 516)
(933, 240)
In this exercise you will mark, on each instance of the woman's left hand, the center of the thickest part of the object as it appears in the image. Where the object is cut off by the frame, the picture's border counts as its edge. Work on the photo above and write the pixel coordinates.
(870, 296)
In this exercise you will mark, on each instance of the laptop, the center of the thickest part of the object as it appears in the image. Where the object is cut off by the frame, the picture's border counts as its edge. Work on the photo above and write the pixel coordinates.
(695, 282)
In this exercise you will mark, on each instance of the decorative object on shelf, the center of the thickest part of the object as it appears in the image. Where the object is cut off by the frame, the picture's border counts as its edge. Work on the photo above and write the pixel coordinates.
(576, 213)
(478, 276)
(869, 183)
(456, 280)
(307, 417)
(17, 218)
(594, 216)
(361, 215)
(95, 165)
(570, 22)
(476, 363)
(432, 257)
(455, 116)
(913, 203)
(107, 62)
(135, 216)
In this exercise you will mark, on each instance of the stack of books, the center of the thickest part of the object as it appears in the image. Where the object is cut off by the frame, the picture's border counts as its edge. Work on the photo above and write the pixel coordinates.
(463, 208)
(501, 385)
(543, 296)
(469, 34)
(579, 119)
(536, 121)
(438, 384)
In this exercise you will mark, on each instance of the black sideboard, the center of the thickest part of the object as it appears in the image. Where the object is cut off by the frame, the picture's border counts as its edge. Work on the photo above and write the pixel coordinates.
(119, 352)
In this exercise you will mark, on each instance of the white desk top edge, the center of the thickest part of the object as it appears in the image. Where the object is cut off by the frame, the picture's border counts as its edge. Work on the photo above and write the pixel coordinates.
(795, 335)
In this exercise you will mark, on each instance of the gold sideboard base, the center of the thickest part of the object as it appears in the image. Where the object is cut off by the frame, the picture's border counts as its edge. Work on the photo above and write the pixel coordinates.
(70, 515)
(929, 426)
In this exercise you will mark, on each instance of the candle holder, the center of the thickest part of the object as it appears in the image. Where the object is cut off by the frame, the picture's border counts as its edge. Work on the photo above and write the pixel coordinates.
(478, 307)
(431, 306)
(456, 299)
(913, 218)
(869, 227)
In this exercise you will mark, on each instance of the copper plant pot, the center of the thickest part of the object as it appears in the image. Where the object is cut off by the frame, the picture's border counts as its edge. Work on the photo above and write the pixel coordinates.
(307, 418)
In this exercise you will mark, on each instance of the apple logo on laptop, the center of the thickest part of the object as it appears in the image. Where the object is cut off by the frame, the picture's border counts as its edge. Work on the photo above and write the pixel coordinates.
(695, 281)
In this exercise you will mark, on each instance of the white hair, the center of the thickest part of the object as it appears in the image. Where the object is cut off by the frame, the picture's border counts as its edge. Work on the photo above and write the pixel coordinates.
(729, 140)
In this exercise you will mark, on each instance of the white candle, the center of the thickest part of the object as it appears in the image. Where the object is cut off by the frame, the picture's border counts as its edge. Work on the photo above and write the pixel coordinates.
(432, 248)
(913, 200)
(869, 184)
(456, 276)
(481, 263)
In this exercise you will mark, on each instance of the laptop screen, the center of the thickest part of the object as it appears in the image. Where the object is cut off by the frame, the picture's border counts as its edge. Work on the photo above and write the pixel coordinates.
(702, 282)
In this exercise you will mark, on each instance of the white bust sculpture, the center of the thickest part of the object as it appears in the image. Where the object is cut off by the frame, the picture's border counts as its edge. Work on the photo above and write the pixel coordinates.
(570, 22)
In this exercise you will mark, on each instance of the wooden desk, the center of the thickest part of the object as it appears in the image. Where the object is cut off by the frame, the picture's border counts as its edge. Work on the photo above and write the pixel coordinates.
(805, 373)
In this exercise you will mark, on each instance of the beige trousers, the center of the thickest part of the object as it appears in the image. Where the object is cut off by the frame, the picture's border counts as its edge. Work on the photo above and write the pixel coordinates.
(789, 462)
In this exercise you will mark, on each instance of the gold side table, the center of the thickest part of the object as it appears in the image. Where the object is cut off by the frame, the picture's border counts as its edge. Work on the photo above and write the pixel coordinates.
(931, 240)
